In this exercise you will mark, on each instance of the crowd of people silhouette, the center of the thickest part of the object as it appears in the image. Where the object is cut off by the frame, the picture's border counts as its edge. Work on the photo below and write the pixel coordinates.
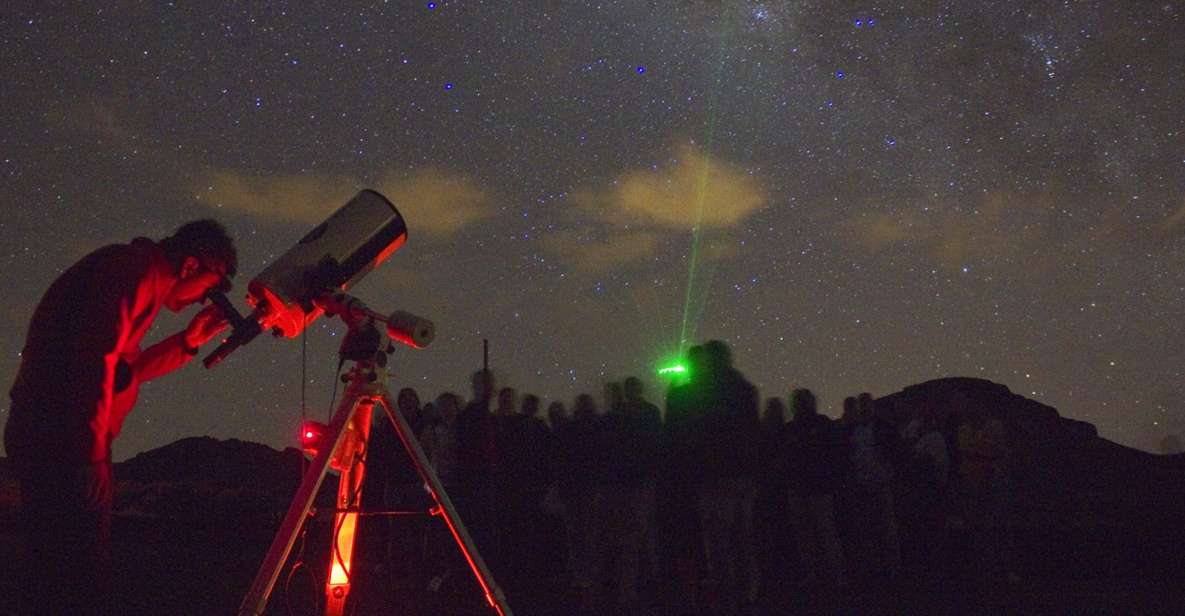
(712, 504)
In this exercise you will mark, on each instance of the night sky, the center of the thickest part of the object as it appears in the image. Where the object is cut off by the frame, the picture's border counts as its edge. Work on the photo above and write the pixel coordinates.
(856, 197)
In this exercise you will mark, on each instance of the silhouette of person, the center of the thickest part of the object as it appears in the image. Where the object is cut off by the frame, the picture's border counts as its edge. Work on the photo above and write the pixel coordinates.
(440, 440)
(586, 469)
(561, 496)
(874, 523)
(507, 402)
(537, 541)
(769, 522)
(729, 434)
(646, 446)
(678, 503)
(557, 415)
(80, 373)
(512, 507)
(816, 459)
(393, 483)
(848, 416)
(773, 419)
(475, 463)
(536, 448)
(629, 430)
(614, 397)
(440, 445)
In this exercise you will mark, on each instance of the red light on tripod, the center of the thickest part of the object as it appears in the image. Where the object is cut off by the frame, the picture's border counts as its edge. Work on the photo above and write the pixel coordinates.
(311, 435)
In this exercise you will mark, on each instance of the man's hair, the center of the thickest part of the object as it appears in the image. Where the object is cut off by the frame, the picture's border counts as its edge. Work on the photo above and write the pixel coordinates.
(719, 355)
(205, 239)
(633, 387)
(803, 402)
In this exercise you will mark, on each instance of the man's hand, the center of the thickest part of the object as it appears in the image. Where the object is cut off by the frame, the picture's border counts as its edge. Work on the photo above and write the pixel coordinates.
(205, 325)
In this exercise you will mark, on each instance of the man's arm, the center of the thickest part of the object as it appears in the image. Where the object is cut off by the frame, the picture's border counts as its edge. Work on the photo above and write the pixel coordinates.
(176, 350)
(91, 359)
(162, 358)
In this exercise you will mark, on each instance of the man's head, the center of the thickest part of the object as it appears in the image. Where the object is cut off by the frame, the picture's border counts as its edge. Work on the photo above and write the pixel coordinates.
(507, 400)
(775, 412)
(408, 401)
(203, 258)
(803, 404)
(483, 385)
(585, 407)
(614, 396)
(633, 389)
(447, 405)
(719, 356)
(850, 410)
(697, 362)
(530, 405)
(557, 415)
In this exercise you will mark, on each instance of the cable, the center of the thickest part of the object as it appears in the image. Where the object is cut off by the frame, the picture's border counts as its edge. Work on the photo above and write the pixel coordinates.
(333, 398)
(354, 502)
(299, 564)
(304, 379)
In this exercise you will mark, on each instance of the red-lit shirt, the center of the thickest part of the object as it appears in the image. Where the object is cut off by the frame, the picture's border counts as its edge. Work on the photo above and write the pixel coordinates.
(81, 367)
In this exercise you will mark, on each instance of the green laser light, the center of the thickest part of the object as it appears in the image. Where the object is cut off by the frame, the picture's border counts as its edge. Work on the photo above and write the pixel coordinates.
(676, 369)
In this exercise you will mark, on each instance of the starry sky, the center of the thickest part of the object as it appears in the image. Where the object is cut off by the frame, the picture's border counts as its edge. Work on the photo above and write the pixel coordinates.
(855, 196)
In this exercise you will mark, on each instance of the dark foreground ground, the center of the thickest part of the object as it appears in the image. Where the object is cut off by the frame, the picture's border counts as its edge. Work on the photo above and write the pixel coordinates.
(208, 570)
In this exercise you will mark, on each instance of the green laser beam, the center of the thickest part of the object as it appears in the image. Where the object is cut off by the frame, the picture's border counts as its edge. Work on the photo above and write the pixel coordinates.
(679, 369)
(701, 197)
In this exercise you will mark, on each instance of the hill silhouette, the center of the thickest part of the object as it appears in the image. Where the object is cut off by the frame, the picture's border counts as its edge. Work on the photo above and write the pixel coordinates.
(1067, 474)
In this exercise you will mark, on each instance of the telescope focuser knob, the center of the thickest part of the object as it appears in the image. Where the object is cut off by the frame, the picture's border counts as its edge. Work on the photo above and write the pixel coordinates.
(410, 329)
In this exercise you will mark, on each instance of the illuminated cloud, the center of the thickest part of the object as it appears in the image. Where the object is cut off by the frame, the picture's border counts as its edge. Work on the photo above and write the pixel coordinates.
(953, 237)
(305, 199)
(692, 187)
(879, 231)
(434, 201)
(1175, 223)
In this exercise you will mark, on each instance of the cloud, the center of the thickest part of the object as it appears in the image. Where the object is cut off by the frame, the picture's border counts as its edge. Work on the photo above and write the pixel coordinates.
(632, 217)
(879, 231)
(999, 226)
(434, 201)
(694, 187)
(304, 199)
(1174, 223)
(599, 255)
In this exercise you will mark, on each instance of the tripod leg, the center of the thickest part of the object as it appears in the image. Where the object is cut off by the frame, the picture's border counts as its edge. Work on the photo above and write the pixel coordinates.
(255, 601)
(349, 500)
(444, 508)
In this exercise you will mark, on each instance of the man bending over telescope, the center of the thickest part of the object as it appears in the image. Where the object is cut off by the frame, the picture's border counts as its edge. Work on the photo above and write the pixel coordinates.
(81, 369)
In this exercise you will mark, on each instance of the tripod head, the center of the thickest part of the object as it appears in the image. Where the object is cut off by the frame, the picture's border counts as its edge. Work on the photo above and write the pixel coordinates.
(363, 340)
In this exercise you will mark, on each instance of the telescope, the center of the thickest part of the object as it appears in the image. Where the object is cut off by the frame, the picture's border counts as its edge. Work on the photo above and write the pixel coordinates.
(312, 277)
(308, 281)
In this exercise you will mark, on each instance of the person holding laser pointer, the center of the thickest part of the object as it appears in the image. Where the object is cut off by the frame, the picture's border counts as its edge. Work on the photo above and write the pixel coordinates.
(80, 373)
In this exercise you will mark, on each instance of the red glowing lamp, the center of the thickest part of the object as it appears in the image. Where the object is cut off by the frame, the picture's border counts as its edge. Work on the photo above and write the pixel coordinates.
(312, 433)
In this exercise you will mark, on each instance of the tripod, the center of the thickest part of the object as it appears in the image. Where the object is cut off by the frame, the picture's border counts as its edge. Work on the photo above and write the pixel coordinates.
(343, 448)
